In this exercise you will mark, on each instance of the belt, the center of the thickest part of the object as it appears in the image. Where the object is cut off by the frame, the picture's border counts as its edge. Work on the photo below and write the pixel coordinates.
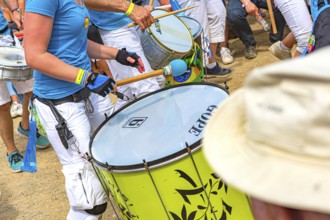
(81, 95)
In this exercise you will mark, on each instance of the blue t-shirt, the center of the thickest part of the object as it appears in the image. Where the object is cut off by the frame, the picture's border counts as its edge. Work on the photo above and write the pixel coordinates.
(3, 21)
(109, 20)
(68, 42)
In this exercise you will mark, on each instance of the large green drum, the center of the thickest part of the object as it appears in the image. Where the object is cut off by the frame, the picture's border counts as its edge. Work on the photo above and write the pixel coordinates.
(148, 157)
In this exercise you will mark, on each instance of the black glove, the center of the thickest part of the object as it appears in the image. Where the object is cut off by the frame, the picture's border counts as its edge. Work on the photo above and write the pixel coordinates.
(100, 84)
(122, 55)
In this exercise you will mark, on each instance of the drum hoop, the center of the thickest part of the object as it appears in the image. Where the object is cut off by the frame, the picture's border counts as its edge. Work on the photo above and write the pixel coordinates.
(149, 165)
(163, 45)
(23, 67)
(154, 163)
(200, 29)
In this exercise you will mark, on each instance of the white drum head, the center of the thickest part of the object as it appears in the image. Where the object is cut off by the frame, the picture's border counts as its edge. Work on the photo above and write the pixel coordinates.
(12, 57)
(171, 32)
(158, 125)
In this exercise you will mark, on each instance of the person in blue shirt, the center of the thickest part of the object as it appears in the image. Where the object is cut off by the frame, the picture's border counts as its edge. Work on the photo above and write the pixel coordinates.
(70, 100)
(114, 31)
(14, 157)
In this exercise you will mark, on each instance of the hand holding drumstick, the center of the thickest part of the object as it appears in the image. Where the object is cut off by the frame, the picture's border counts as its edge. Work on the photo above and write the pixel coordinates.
(168, 14)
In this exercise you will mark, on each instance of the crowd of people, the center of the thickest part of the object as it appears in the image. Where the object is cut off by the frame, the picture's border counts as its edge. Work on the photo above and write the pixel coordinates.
(71, 100)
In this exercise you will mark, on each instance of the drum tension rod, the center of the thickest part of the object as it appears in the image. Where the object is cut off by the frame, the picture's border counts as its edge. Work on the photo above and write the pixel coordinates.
(145, 164)
(156, 188)
(108, 166)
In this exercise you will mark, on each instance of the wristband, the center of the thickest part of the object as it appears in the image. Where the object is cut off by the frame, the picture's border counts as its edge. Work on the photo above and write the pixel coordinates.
(130, 9)
(246, 4)
(81, 77)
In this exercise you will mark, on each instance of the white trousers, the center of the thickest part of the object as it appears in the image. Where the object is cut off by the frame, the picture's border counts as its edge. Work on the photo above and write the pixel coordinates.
(299, 20)
(212, 16)
(82, 125)
(128, 38)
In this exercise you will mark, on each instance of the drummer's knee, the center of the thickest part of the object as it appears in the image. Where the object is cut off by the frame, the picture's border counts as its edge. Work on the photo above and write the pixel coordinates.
(97, 210)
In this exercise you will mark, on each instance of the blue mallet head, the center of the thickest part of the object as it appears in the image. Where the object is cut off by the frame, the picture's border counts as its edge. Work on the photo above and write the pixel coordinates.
(176, 68)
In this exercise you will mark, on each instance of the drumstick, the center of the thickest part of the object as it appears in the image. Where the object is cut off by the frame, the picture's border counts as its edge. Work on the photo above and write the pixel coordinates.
(151, 2)
(175, 68)
(167, 14)
(271, 15)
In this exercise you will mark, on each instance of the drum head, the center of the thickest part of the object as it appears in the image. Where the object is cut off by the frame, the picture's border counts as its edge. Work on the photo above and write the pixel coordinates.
(157, 125)
(12, 57)
(193, 25)
(171, 32)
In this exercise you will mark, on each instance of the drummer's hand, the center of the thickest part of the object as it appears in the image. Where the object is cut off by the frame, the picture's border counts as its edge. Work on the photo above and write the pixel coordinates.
(130, 59)
(252, 9)
(18, 19)
(100, 84)
(142, 17)
(148, 7)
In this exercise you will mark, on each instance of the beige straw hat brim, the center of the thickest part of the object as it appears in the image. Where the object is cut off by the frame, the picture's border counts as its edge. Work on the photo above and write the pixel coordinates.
(269, 175)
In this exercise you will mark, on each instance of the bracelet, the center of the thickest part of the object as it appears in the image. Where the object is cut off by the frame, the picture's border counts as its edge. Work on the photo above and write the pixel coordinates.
(81, 77)
(130, 9)
(246, 4)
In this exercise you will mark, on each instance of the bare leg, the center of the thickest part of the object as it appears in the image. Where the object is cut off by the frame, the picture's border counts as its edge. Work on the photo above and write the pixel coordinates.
(25, 115)
(213, 48)
(289, 40)
(6, 128)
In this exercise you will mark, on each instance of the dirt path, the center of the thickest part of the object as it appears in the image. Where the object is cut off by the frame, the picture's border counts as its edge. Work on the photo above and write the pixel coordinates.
(41, 195)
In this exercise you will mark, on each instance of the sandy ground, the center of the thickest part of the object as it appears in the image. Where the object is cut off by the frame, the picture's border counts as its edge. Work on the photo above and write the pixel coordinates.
(41, 195)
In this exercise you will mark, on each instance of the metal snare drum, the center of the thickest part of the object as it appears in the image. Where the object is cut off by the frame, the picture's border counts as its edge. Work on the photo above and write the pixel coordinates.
(13, 65)
(165, 40)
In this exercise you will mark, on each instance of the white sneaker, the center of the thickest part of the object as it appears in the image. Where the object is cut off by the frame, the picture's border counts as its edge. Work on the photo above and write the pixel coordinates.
(226, 56)
(279, 52)
(16, 109)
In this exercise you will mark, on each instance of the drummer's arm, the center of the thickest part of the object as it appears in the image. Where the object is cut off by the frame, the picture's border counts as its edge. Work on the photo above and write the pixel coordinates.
(164, 2)
(12, 5)
(99, 51)
(137, 13)
(39, 27)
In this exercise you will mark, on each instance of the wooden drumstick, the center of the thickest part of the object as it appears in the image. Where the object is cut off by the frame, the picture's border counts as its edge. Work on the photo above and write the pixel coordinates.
(167, 14)
(151, 2)
(175, 68)
(271, 15)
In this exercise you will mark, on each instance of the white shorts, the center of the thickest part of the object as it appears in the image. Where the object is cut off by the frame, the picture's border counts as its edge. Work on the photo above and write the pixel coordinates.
(21, 87)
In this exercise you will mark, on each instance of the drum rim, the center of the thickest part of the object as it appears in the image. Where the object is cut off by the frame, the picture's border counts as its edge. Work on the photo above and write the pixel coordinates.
(154, 163)
(163, 45)
(200, 29)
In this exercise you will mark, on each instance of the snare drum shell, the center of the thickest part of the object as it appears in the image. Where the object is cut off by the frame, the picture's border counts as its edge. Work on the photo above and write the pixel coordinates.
(167, 39)
(180, 190)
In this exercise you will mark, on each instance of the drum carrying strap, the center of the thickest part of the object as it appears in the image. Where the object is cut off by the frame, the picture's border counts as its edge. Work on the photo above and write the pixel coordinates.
(66, 136)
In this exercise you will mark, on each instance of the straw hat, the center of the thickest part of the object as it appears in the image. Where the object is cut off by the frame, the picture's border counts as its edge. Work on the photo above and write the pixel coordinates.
(271, 138)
